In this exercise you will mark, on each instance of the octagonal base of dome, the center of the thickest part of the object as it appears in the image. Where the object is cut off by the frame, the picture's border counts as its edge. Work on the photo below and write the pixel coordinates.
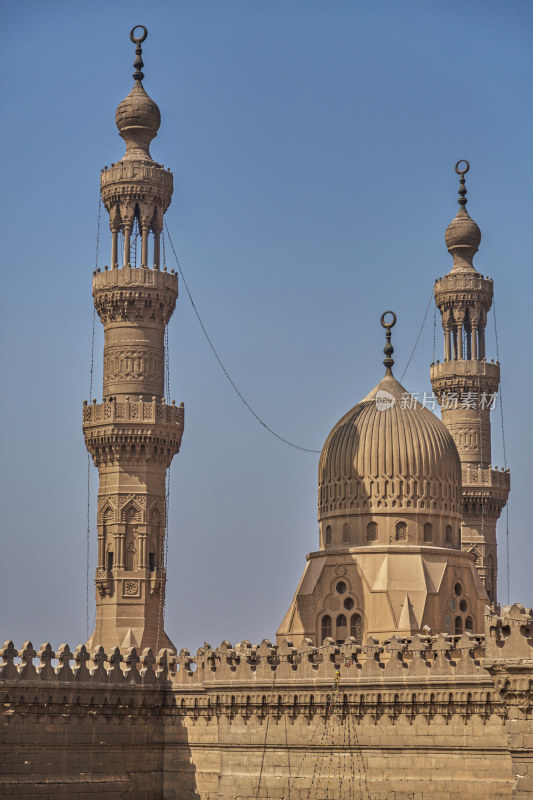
(385, 590)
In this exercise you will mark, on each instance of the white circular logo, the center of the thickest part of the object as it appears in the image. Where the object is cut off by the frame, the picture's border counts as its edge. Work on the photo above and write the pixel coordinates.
(384, 400)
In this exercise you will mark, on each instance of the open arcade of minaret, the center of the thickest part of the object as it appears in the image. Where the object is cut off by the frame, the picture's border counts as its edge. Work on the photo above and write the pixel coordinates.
(394, 644)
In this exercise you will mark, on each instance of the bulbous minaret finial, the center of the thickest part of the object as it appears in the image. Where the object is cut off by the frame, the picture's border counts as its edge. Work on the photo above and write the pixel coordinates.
(137, 117)
(388, 349)
(462, 235)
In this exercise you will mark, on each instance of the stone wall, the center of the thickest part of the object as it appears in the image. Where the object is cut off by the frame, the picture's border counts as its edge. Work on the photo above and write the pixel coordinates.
(432, 717)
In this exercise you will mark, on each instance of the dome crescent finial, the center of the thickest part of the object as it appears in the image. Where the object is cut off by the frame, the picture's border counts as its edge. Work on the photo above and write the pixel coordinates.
(388, 349)
(138, 75)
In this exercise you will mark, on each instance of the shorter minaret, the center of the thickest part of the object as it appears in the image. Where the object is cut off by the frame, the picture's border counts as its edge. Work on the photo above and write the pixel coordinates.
(466, 384)
(133, 434)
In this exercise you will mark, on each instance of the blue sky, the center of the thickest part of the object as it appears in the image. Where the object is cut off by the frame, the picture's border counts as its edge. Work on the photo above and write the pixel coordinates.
(313, 146)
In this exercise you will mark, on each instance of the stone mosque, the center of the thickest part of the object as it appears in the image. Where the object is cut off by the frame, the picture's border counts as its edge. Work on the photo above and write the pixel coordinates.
(395, 674)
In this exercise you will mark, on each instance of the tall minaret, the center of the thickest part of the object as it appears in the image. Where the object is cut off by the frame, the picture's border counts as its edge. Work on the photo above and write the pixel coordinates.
(465, 384)
(133, 434)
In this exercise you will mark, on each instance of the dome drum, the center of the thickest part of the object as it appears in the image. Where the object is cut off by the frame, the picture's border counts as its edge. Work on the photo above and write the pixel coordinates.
(397, 528)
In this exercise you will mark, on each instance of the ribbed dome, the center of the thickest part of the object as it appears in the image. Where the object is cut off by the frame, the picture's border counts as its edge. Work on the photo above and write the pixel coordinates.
(138, 119)
(463, 238)
(384, 454)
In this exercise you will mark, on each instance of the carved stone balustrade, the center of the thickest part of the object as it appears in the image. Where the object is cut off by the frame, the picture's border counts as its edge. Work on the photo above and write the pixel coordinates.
(133, 430)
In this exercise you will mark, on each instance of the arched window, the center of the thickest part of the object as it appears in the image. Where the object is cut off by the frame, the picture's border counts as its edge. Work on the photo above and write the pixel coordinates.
(401, 532)
(329, 536)
(458, 626)
(341, 621)
(428, 532)
(449, 534)
(346, 534)
(326, 627)
(356, 628)
(371, 532)
(469, 624)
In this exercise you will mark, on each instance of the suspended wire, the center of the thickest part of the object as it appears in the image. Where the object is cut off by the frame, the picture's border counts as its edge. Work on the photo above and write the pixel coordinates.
(228, 376)
(94, 307)
(486, 561)
(418, 338)
(88, 542)
(164, 544)
(268, 713)
(223, 368)
(504, 447)
(434, 332)
(167, 476)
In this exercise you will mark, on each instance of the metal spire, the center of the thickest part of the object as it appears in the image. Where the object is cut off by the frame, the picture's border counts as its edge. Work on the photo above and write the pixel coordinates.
(388, 349)
(462, 188)
(138, 75)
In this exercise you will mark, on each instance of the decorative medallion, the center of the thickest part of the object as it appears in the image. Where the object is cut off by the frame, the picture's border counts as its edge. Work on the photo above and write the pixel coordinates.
(131, 588)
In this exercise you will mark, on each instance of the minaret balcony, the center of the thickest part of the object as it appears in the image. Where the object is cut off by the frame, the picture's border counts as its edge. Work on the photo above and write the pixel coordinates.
(135, 294)
(136, 180)
(486, 477)
(133, 431)
(465, 375)
(134, 278)
(485, 491)
(459, 288)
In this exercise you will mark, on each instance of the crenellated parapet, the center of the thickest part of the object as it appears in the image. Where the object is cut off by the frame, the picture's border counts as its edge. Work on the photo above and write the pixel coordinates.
(421, 663)
(510, 636)
(245, 665)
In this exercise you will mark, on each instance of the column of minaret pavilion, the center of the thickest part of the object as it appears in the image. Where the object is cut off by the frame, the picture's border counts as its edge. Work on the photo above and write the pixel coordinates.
(133, 434)
(465, 384)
